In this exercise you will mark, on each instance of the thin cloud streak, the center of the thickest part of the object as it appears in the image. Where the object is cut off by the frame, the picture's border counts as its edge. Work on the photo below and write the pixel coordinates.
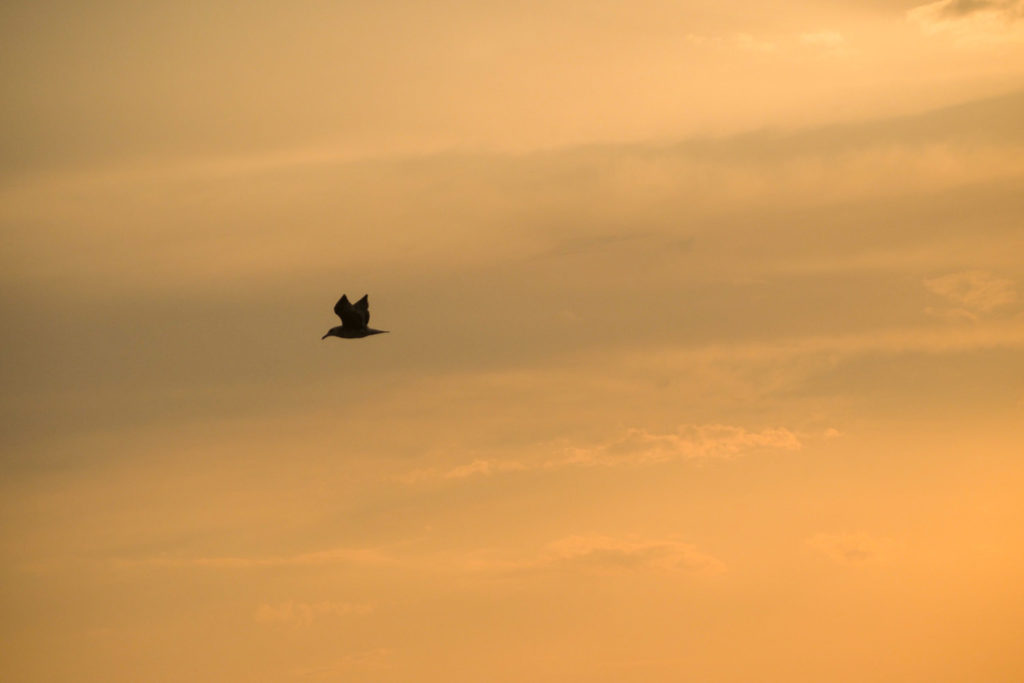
(349, 556)
(297, 614)
(606, 553)
(370, 659)
(635, 447)
(1004, 334)
(587, 552)
(853, 549)
(639, 446)
(598, 554)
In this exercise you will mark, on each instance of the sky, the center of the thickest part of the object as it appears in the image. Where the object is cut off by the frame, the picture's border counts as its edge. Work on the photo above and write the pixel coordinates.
(705, 362)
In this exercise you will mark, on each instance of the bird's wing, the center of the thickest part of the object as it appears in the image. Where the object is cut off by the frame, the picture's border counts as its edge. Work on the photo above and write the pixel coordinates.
(349, 314)
(363, 306)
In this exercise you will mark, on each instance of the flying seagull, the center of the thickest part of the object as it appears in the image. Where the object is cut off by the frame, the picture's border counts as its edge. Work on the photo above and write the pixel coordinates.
(354, 318)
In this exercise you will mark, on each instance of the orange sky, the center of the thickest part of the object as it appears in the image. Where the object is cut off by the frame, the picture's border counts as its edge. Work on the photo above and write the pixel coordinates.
(705, 359)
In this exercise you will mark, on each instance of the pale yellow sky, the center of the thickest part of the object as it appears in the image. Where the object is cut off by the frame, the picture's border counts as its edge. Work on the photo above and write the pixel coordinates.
(705, 358)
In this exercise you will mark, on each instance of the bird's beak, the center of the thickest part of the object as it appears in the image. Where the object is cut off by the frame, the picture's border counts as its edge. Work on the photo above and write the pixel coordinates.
(325, 336)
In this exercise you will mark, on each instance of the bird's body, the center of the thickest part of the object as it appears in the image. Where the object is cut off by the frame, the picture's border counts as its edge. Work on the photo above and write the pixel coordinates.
(355, 319)
(346, 333)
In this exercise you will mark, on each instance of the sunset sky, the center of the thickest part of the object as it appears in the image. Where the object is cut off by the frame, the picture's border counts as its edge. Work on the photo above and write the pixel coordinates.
(706, 351)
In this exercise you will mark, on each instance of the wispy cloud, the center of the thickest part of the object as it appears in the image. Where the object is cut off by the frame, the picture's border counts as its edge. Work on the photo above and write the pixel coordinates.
(638, 446)
(605, 553)
(581, 552)
(598, 554)
(373, 658)
(751, 43)
(294, 613)
(756, 43)
(824, 39)
(963, 8)
(484, 467)
(973, 292)
(972, 21)
(357, 556)
(633, 447)
(928, 340)
(851, 548)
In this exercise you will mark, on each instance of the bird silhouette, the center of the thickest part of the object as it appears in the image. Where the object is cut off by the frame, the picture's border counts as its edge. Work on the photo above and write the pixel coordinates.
(354, 319)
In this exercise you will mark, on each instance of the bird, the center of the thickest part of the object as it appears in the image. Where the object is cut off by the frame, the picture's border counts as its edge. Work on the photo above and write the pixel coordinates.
(354, 319)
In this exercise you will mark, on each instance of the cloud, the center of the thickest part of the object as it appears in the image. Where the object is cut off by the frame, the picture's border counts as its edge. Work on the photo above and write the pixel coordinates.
(744, 42)
(604, 553)
(973, 291)
(598, 554)
(972, 21)
(633, 447)
(654, 189)
(748, 42)
(932, 340)
(851, 548)
(483, 467)
(963, 8)
(304, 613)
(592, 553)
(359, 556)
(830, 40)
(373, 658)
(638, 446)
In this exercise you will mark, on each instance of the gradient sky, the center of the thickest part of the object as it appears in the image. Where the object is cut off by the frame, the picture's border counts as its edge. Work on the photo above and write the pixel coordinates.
(706, 358)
